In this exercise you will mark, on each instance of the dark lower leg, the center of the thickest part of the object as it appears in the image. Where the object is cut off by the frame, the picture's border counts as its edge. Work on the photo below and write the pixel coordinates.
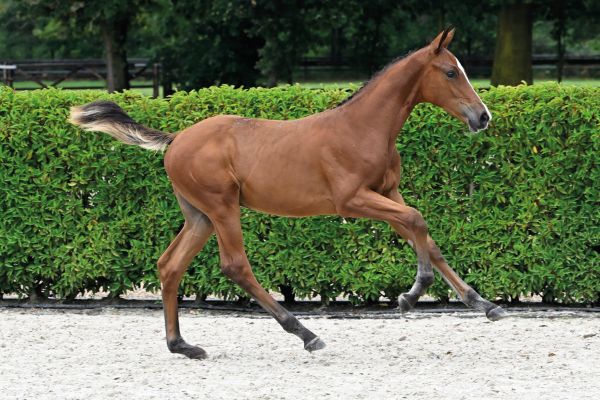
(291, 324)
(286, 319)
(425, 277)
(492, 311)
(467, 294)
(172, 266)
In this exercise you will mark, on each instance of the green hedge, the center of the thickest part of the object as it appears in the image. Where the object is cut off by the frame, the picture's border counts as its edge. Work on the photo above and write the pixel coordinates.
(515, 209)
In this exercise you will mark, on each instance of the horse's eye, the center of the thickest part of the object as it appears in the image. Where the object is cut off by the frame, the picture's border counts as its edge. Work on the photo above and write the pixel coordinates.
(451, 74)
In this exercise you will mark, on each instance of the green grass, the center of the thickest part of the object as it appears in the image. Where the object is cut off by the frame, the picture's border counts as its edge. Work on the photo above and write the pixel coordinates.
(89, 83)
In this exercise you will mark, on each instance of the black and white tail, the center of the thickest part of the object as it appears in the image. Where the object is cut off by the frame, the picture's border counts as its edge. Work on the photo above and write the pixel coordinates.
(108, 117)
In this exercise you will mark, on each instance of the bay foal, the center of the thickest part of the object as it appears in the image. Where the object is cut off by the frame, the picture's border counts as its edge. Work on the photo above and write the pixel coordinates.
(341, 161)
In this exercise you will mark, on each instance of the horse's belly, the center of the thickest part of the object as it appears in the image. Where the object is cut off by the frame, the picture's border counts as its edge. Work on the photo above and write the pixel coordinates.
(286, 201)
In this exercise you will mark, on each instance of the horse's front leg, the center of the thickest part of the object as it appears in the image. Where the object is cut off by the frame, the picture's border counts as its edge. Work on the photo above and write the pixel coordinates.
(409, 223)
(467, 294)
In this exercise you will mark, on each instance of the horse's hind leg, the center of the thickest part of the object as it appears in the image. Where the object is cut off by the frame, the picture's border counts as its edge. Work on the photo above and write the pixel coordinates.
(467, 294)
(171, 267)
(235, 265)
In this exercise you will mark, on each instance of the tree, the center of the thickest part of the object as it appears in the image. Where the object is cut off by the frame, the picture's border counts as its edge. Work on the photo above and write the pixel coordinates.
(285, 28)
(512, 58)
(209, 42)
(238, 43)
(111, 19)
(29, 32)
(114, 24)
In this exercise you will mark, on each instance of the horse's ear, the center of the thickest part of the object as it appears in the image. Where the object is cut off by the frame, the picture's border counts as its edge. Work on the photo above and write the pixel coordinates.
(443, 39)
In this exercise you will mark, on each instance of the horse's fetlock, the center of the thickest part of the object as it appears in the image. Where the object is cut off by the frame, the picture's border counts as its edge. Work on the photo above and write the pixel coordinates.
(426, 279)
(471, 296)
(174, 344)
(290, 324)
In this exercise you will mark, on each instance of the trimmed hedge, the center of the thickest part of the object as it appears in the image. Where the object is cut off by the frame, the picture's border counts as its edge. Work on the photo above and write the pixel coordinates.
(515, 209)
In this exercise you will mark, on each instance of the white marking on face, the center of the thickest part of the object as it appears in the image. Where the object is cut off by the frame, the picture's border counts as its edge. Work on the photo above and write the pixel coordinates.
(462, 70)
(467, 78)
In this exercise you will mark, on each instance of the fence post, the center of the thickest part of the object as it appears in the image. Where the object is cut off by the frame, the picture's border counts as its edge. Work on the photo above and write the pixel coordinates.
(8, 74)
(11, 76)
(155, 80)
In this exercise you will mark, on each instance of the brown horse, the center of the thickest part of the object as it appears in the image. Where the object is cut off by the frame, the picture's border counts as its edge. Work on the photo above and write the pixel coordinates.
(341, 161)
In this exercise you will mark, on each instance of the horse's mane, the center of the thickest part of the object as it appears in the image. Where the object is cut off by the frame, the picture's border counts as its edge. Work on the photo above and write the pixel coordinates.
(372, 79)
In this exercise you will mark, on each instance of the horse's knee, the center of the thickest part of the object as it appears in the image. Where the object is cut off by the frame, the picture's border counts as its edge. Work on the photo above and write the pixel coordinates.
(166, 273)
(416, 222)
(235, 269)
(162, 264)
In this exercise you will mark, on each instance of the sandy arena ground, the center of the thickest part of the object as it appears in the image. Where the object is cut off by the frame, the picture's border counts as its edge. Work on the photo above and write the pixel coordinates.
(121, 354)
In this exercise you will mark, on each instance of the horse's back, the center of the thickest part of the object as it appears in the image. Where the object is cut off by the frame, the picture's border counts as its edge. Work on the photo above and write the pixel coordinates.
(258, 159)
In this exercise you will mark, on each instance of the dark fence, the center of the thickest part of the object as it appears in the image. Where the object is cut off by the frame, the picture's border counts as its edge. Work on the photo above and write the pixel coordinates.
(587, 66)
(541, 61)
(52, 73)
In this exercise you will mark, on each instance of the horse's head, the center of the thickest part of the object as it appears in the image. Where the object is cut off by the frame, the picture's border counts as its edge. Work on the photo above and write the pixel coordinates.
(445, 84)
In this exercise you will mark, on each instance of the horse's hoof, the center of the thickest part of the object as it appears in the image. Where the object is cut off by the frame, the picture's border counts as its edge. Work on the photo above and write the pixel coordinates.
(403, 304)
(193, 352)
(196, 353)
(314, 345)
(496, 314)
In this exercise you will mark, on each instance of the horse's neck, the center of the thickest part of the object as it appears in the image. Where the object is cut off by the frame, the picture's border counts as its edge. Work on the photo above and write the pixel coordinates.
(386, 102)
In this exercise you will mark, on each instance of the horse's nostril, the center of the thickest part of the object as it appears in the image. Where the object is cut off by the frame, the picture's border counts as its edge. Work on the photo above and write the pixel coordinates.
(484, 118)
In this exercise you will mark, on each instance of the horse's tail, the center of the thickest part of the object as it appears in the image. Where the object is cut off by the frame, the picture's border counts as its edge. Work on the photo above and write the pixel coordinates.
(108, 117)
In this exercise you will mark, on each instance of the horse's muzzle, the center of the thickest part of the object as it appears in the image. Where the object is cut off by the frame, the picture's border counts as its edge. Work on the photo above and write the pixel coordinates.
(478, 121)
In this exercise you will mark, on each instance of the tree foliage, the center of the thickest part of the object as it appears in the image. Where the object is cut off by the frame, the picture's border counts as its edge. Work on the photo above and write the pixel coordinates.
(254, 42)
